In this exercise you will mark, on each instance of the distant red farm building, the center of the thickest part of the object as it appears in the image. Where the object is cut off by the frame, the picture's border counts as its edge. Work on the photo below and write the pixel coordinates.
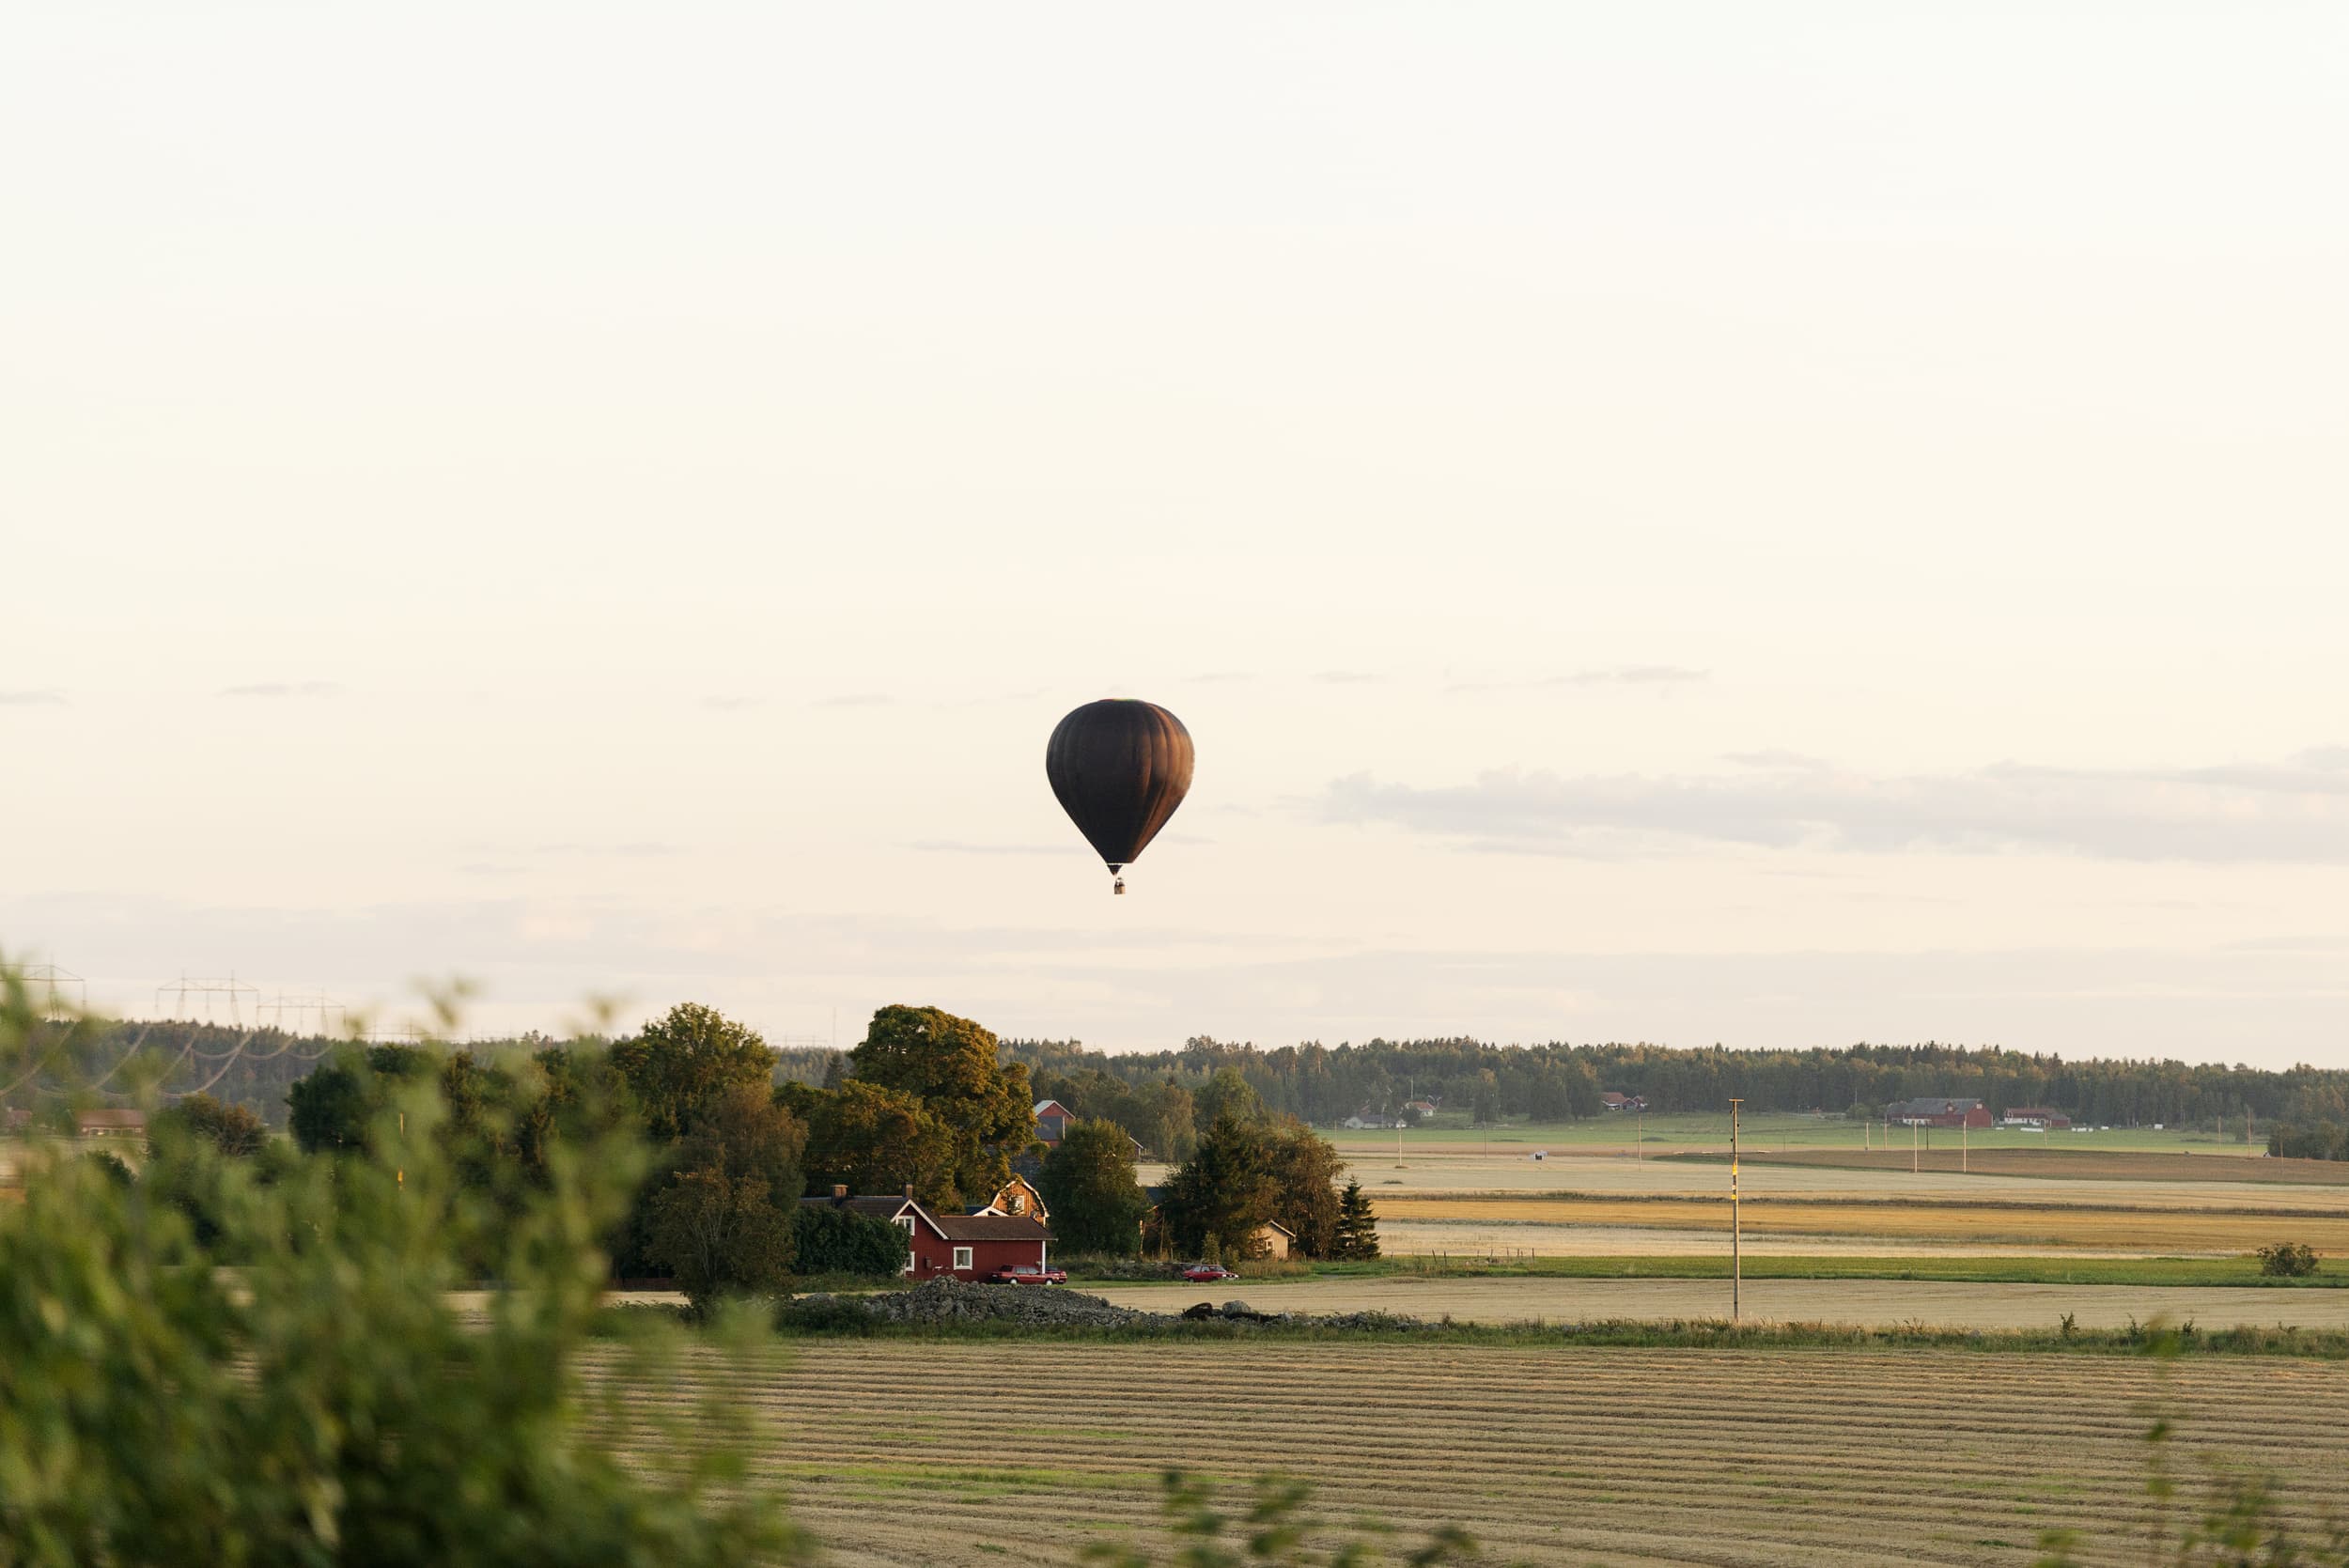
(2034, 1116)
(1052, 1121)
(1613, 1101)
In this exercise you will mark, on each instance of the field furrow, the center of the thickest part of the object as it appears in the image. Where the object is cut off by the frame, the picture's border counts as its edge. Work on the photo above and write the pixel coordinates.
(899, 1453)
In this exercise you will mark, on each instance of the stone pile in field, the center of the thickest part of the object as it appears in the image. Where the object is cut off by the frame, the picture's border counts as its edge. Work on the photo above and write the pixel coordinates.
(954, 1301)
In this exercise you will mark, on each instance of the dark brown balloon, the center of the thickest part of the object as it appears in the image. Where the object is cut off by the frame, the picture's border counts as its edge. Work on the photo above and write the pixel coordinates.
(1120, 768)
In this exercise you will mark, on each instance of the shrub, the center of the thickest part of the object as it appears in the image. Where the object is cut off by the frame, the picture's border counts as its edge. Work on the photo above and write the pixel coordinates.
(2287, 1260)
(327, 1405)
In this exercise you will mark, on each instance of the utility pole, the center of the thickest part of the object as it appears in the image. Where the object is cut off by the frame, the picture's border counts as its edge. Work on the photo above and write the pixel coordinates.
(1736, 1267)
(1965, 1146)
(1912, 1148)
(1638, 1137)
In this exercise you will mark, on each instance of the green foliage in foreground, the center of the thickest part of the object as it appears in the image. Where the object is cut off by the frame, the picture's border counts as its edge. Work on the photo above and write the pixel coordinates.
(1273, 1529)
(324, 1403)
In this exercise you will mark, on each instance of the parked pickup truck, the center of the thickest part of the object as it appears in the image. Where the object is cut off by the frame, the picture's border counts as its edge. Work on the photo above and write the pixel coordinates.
(1029, 1274)
(1207, 1273)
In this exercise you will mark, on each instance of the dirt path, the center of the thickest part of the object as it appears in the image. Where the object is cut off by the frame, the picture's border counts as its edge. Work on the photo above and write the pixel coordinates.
(1868, 1301)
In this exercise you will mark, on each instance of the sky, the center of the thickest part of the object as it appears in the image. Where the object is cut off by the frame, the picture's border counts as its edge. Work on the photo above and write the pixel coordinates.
(1780, 525)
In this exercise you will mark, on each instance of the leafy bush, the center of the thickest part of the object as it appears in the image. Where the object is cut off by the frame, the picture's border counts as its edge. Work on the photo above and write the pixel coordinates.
(1273, 1529)
(326, 1404)
(2287, 1260)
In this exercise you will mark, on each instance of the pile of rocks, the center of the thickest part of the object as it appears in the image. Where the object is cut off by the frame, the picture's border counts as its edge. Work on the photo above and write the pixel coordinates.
(954, 1301)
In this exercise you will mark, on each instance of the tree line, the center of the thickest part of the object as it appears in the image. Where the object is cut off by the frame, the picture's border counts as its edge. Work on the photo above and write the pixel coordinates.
(1143, 1090)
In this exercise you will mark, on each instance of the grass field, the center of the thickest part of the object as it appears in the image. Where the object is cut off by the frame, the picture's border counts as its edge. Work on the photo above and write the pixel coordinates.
(904, 1453)
(1710, 1130)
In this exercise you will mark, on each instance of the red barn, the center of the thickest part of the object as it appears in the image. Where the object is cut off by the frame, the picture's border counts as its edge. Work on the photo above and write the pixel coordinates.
(962, 1246)
(1052, 1121)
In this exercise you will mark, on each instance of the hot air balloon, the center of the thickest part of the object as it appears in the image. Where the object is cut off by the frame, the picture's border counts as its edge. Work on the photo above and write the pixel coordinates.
(1120, 768)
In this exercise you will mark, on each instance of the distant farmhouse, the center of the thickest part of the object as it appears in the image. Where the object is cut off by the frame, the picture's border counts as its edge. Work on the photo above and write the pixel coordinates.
(1052, 1121)
(952, 1246)
(1019, 1197)
(1612, 1101)
(2034, 1116)
(1937, 1113)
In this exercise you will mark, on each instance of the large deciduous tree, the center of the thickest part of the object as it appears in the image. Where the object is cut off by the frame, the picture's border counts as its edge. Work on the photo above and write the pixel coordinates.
(684, 1055)
(873, 1138)
(1090, 1190)
(720, 1234)
(1305, 1171)
(954, 1068)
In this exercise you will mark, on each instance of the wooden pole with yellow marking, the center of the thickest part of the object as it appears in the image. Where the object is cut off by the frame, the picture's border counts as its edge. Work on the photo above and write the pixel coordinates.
(1736, 1272)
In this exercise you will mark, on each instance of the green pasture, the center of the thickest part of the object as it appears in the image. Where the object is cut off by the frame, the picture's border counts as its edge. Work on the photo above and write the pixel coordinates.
(1450, 1130)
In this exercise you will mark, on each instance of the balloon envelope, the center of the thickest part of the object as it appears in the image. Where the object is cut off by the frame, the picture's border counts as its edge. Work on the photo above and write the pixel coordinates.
(1120, 768)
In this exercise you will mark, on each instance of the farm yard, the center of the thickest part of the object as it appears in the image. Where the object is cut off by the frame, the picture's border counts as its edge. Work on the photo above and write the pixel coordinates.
(904, 1453)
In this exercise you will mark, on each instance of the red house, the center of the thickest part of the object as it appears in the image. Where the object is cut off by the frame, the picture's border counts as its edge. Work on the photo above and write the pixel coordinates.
(960, 1246)
(1052, 1121)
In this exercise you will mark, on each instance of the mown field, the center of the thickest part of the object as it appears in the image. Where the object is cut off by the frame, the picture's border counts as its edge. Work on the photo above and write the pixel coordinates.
(2058, 1165)
(2023, 1226)
(910, 1452)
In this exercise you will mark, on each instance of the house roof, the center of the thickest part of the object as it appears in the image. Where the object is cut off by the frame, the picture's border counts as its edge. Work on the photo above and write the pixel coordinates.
(103, 1118)
(1042, 1105)
(878, 1209)
(1276, 1226)
(991, 1227)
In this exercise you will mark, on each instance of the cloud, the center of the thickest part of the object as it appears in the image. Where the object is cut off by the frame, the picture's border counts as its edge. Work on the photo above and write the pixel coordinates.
(285, 689)
(2290, 813)
(958, 847)
(732, 704)
(857, 699)
(31, 698)
(1773, 757)
(635, 849)
(1618, 674)
(1636, 674)
(1220, 677)
(1348, 677)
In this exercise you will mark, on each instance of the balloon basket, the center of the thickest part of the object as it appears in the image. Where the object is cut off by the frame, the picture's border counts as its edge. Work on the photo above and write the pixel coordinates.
(1118, 887)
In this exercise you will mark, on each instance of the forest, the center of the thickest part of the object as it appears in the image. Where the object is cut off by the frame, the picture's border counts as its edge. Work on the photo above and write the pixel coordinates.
(1166, 1098)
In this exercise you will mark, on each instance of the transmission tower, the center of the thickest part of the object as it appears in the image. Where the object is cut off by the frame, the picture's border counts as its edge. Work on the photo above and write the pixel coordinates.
(312, 1013)
(231, 996)
(49, 981)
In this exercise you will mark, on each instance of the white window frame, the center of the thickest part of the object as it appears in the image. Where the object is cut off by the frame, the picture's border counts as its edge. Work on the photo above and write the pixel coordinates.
(912, 1261)
(963, 1258)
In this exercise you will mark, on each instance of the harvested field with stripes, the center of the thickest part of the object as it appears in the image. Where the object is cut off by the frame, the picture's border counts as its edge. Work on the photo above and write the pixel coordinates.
(904, 1453)
(2118, 1227)
(2059, 1165)
(1872, 1302)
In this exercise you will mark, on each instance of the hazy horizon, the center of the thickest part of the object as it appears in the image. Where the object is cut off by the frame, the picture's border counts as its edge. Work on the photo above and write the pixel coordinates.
(1779, 526)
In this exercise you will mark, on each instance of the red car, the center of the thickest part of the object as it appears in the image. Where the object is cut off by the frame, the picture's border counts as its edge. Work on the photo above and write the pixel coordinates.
(1029, 1274)
(1207, 1273)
